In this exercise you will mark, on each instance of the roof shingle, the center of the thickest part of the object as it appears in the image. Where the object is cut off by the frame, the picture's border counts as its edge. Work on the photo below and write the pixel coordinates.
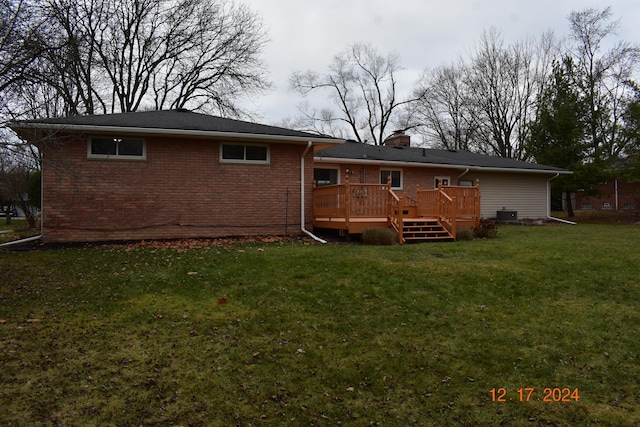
(427, 156)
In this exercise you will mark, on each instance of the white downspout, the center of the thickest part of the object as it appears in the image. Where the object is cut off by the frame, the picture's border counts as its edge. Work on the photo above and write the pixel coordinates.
(549, 203)
(617, 200)
(302, 215)
(463, 174)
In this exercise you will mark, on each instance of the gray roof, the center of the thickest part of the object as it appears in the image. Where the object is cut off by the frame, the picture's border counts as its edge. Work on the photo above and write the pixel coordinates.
(354, 151)
(166, 120)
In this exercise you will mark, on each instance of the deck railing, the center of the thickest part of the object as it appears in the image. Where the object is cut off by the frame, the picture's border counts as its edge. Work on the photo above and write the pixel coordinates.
(453, 206)
(395, 210)
(447, 212)
(467, 201)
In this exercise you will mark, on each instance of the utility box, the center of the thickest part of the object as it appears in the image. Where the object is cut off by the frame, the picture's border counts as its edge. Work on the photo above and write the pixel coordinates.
(505, 215)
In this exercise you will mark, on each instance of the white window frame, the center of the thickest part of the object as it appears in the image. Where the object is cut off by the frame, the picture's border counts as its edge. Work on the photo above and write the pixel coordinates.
(391, 171)
(244, 160)
(441, 178)
(117, 156)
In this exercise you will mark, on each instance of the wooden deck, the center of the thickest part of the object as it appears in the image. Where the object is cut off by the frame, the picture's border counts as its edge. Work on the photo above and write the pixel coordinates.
(429, 215)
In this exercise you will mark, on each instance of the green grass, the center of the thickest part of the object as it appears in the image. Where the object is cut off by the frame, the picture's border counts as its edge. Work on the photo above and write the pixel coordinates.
(18, 229)
(310, 334)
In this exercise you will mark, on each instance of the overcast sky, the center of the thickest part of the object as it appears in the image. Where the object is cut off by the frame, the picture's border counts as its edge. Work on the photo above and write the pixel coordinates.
(305, 35)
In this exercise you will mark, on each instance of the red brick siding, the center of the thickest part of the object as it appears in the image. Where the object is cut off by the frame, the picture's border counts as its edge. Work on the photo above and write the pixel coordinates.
(181, 190)
(628, 193)
(411, 176)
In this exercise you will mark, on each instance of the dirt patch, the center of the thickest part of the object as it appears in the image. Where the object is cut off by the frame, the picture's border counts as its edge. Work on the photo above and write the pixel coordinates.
(174, 244)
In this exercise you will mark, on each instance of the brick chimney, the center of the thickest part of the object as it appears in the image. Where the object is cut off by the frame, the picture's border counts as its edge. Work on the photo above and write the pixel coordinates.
(398, 139)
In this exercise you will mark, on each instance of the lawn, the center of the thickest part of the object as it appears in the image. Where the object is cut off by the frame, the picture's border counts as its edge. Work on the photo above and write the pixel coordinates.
(299, 333)
(18, 229)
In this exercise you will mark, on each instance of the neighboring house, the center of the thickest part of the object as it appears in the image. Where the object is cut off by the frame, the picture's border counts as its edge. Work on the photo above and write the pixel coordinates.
(171, 174)
(613, 195)
(180, 174)
(505, 183)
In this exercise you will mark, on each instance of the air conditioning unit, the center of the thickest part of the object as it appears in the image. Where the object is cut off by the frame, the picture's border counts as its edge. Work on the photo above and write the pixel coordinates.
(506, 215)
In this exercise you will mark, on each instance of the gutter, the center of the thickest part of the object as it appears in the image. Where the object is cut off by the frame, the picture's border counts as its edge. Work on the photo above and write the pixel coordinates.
(434, 165)
(302, 213)
(549, 203)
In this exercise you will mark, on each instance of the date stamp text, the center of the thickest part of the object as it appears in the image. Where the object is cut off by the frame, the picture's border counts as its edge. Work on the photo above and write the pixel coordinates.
(527, 394)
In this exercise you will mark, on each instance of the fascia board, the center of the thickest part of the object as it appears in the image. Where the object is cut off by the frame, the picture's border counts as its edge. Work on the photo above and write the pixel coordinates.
(174, 132)
(436, 165)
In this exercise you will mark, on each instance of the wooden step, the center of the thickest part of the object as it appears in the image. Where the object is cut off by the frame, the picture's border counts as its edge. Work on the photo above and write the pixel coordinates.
(424, 230)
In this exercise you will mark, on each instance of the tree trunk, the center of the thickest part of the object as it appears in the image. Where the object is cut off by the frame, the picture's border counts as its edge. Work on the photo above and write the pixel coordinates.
(7, 212)
(569, 204)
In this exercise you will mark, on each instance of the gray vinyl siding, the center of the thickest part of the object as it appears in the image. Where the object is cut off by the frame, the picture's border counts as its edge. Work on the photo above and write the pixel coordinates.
(521, 192)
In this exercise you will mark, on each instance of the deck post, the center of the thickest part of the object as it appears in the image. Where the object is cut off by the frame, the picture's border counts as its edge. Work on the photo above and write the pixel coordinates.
(347, 201)
(477, 197)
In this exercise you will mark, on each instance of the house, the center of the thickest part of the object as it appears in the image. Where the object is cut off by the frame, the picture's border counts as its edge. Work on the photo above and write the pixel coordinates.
(614, 194)
(518, 188)
(179, 174)
(171, 174)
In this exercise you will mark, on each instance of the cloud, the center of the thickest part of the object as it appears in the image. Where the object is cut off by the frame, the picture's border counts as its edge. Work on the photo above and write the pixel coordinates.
(425, 33)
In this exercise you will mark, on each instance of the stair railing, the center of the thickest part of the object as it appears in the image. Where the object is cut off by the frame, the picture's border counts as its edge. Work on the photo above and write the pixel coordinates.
(447, 212)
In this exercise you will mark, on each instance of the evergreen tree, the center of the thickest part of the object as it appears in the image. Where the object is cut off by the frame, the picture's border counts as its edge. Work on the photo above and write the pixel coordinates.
(558, 135)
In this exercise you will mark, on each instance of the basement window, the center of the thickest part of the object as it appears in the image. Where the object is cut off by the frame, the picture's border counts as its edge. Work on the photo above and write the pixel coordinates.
(116, 148)
(244, 153)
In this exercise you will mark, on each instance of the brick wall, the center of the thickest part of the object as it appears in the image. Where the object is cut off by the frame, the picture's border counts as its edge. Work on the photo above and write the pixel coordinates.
(181, 190)
(411, 176)
(628, 197)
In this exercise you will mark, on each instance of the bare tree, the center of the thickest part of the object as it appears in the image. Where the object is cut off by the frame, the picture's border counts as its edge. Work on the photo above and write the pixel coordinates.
(363, 88)
(102, 56)
(444, 109)
(606, 78)
(18, 46)
(486, 102)
(503, 84)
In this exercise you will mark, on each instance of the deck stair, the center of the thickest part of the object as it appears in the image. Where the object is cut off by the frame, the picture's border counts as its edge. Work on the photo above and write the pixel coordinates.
(424, 230)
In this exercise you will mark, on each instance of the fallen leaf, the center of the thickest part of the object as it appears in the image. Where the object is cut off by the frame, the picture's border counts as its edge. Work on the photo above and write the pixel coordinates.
(33, 320)
(192, 273)
(222, 300)
(256, 354)
(350, 389)
(159, 316)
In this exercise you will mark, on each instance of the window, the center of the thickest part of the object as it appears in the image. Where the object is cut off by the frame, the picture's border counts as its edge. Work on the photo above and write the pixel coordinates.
(117, 148)
(396, 178)
(628, 205)
(606, 205)
(325, 176)
(466, 183)
(244, 153)
(441, 180)
(587, 206)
